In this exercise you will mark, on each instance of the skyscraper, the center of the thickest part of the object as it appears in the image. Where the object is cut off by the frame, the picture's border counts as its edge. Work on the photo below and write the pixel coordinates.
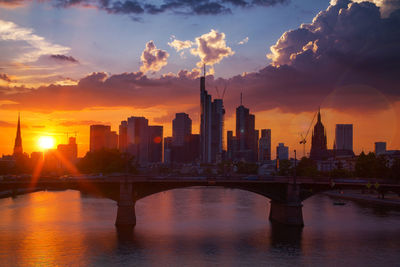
(264, 154)
(99, 137)
(282, 152)
(211, 125)
(205, 121)
(18, 140)
(181, 129)
(123, 136)
(318, 142)
(155, 143)
(246, 135)
(344, 137)
(217, 128)
(69, 151)
(138, 138)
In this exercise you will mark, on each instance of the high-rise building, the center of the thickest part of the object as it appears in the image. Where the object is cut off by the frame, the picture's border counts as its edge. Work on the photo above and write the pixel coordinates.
(211, 125)
(205, 122)
(380, 148)
(99, 137)
(282, 152)
(168, 150)
(318, 142)
(181, 129)
(155, 143)
(68, 151)
(18, 140)
(246, 135)
(112, 140)
(264, 146)
(138, 138)
(123, 136)
(217, 130)
(344, 137)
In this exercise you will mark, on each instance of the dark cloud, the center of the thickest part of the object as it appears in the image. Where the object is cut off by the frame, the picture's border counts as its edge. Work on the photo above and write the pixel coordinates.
(5, 77)
(346, 59)
(64, 58)
(187, 7)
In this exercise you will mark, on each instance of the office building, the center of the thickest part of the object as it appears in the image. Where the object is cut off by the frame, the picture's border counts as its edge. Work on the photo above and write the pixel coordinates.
(380, 148)
(123, 136)
(101, 137)
(282, 152)
(68, 152)
(181, 129)
(344, 137)
(264, 146)
(155, 144)
(211, 125)
(138, 138)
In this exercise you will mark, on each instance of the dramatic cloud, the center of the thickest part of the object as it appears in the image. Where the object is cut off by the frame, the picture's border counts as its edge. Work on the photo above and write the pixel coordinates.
(11, 3)
(180, 45)
(386, 6)
(346, 59)
(38, 46)
(153, 59)
(137, 7)
(5, 77)
(244, 41)
(211, 48)
(63, 58)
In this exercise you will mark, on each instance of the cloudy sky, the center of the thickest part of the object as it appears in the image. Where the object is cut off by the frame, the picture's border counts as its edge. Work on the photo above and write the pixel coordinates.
(66, 64)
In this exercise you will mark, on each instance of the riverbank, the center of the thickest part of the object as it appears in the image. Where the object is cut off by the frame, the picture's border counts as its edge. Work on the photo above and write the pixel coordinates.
(391, 201)
(10, 193)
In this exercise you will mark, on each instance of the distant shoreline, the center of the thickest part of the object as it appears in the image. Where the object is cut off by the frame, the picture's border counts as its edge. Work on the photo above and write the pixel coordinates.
(365, 198)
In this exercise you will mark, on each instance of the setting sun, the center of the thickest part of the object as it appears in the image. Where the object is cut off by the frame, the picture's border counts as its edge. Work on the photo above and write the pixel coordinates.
(46, 142)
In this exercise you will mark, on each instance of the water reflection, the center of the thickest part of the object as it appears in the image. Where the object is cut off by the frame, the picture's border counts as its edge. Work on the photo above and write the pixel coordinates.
(192, 227)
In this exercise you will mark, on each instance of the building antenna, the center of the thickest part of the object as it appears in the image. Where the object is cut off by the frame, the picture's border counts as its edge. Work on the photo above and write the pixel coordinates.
(204, 67)
(241, 99)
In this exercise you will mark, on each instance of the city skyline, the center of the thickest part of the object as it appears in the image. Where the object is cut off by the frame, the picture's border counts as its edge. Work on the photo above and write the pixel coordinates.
(346, 95)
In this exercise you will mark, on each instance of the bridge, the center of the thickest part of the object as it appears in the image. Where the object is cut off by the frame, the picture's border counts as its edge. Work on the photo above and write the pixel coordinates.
(285, 194)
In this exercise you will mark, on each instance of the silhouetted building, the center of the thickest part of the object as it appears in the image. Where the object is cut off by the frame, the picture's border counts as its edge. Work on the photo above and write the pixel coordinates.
(181, 128)
(101, 137)
(211, 125)
(231, 145)
(155, 143)
(318, 142)
(282, 152)
(168, 150)
(380, 148)
(344, 137)
(68, 151)
(264, 154)
(217, 128)
(246, 135)
(123, 136)
(193, 148)
(138, 138)
(18, 140)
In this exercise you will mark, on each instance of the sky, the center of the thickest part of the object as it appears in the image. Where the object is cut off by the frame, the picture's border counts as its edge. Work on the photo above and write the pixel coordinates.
(67, 64)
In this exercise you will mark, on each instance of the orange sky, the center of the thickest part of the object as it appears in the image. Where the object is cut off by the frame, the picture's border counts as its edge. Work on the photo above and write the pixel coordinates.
(286, 127)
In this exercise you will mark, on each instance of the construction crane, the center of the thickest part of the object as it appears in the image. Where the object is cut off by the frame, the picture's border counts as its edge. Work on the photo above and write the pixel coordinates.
(303, 140)
(67, 133)
(223, 92)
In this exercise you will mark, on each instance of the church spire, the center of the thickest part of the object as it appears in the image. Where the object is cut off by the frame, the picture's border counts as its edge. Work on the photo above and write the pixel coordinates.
(319, 114)
(18, 140)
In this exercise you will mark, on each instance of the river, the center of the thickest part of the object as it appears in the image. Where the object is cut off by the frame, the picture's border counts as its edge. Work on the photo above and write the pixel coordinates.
(193, 227)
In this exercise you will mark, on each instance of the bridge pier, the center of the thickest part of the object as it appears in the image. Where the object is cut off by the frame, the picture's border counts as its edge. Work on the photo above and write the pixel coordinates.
(126, 216)
(289, 212)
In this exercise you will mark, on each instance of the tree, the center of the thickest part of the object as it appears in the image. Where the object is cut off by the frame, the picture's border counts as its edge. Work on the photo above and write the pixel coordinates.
(307, 167)
(106, 161)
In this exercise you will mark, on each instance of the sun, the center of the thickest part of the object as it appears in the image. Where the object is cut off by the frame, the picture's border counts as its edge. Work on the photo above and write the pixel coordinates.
(46, 142)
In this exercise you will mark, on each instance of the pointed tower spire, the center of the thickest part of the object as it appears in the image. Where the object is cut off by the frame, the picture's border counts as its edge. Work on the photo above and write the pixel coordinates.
(18, 140)
(319, 114)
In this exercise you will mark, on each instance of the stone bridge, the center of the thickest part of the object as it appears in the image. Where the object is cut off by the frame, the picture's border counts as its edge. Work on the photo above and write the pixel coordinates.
(286, 196)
